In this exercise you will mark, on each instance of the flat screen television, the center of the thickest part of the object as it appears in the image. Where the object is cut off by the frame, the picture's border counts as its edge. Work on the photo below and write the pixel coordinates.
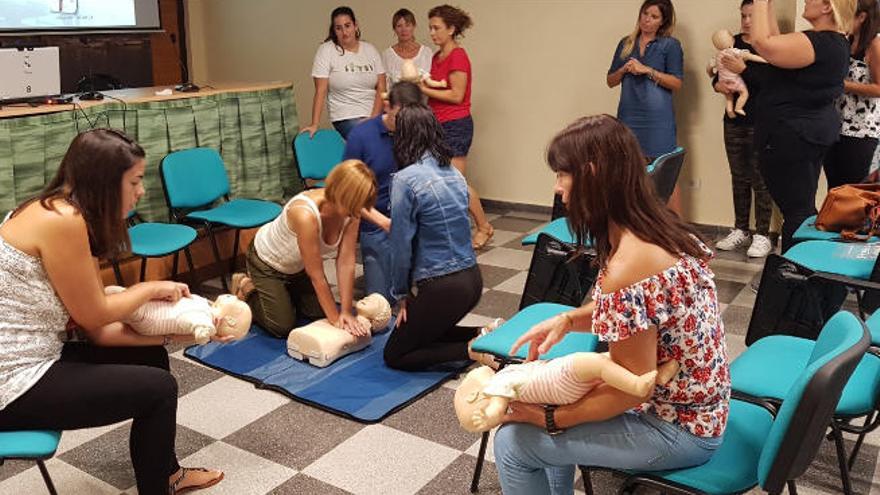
(25, 17)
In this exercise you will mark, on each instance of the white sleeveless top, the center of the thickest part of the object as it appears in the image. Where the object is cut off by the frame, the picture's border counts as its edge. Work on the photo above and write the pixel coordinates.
(32, 318)
(276, 243)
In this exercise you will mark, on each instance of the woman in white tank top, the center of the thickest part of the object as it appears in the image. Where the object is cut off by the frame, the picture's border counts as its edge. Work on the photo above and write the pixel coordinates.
(285, 261)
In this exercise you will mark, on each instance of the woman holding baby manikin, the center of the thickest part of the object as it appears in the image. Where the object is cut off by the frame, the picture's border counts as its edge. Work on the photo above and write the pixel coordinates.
(654, 301)
(739, 139)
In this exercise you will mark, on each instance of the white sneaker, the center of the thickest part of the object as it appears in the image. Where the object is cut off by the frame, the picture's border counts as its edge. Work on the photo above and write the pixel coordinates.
(734, 239)
(761, 246)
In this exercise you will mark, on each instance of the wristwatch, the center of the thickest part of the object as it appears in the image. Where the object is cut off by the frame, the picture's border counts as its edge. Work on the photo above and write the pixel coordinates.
(550, 420)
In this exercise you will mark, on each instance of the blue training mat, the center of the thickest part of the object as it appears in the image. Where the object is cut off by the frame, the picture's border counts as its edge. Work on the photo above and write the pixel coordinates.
(358, 386)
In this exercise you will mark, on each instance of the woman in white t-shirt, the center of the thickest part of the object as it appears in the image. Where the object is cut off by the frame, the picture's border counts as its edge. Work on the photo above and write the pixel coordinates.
(348, 74)
(404, 24)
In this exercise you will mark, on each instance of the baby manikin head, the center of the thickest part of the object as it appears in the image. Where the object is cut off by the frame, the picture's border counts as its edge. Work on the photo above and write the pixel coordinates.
(233, 316)
(376, 309)
(722, 39)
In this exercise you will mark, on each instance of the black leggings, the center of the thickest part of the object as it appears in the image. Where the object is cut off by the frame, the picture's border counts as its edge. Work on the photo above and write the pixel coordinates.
(790, 167)
(848, 160)
(430, 335)
(95, 386)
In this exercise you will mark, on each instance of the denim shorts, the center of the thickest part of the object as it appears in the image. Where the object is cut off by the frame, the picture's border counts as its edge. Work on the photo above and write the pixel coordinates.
(459, 134)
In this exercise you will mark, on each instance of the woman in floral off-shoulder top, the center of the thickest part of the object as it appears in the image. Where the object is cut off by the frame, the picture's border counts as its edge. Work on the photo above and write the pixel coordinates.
(654, 301)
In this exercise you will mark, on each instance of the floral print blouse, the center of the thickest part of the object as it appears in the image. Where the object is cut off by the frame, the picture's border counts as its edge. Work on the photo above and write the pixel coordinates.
(681, 302)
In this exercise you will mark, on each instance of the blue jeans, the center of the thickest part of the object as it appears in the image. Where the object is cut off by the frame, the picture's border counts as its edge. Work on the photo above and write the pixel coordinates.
(345, 126)
(376, 256)
(530, 461)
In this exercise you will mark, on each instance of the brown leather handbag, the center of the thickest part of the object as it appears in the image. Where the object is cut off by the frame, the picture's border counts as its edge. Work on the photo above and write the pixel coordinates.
(853, 210)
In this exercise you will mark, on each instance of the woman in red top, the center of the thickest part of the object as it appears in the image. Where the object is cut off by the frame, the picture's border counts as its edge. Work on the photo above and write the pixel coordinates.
(452, 105)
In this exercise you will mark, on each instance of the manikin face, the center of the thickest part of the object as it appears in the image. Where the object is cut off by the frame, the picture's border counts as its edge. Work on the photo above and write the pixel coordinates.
(650, 20)
(440, 32)
(563, 186)
(345, 29)
(404, 30)
(132, 186)
(745, 19)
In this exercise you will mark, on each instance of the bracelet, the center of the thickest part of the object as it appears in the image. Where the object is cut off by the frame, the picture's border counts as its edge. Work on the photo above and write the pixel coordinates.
(550, 420)
(654, 75)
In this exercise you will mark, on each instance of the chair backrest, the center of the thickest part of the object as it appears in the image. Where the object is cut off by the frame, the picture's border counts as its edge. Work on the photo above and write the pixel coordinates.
(807, 409)
(193, 177)
(557, 275)
(664, 171)
(316, 156)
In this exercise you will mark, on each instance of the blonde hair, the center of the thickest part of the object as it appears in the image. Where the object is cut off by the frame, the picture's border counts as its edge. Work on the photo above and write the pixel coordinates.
(843, 12)
(666, 27)
(351, 185)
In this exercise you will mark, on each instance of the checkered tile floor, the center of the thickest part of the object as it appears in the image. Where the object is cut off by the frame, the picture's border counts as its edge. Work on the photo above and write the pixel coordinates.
(267, 443)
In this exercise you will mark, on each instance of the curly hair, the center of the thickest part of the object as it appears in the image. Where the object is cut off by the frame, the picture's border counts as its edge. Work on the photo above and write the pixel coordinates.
(453, 17)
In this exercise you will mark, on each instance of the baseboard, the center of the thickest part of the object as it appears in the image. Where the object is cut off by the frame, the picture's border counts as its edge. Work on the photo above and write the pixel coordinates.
(494, 206)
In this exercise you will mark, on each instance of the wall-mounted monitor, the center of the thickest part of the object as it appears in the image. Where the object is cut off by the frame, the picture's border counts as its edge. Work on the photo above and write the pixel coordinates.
(18, 17)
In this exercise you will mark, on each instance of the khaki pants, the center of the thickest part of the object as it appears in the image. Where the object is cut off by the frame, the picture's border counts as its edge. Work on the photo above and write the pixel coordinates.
(277, 297)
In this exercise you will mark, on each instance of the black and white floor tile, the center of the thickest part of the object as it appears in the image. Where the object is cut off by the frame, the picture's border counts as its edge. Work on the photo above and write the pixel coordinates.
(267, 443)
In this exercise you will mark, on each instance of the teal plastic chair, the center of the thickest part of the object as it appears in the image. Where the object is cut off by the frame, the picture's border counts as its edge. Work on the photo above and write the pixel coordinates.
(498, 344)
(768, 368)
(762, 450)
(807, 231)
(157, 240)
(197, 191)
(557, 229)
(664, 171)
(31, 445)
(316, 156)
(849, 264)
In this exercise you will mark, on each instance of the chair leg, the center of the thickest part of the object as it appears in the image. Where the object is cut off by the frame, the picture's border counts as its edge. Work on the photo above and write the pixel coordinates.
(792, 487)
(841, 458)
(174, 265)
(46, 477)
(217, 257)
(588, 480)
(859, 440)
(481, 457)
(234, 251)
(143, 268)
(117, 272)
(192, 268)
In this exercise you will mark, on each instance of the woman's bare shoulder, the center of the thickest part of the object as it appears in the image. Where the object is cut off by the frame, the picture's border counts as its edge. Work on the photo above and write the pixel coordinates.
(634, 261)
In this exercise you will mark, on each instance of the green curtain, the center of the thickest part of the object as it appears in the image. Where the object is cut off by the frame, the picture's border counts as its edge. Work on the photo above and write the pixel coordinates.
(252, 130)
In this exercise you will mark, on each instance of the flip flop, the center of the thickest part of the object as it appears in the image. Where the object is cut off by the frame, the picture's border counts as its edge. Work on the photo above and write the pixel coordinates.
(174, 490)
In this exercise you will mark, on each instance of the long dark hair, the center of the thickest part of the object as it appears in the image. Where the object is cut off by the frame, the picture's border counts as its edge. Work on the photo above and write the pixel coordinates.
(416, 132)
(331, 35)
(666, 27)
(90, 179)
(610, 184)
(870, 26)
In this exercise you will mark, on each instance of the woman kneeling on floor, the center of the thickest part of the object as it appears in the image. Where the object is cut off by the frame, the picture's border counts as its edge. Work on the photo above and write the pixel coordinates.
(285, 262)
(435, 275)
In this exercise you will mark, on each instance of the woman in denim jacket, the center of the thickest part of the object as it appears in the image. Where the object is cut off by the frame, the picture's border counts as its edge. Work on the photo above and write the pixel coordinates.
(435, 276)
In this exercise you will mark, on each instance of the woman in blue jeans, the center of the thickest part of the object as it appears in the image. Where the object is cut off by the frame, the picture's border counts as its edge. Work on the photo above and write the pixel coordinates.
(654, 301)
(434, 269)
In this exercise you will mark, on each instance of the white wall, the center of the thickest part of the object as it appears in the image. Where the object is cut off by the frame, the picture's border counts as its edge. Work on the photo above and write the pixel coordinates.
(538, 65)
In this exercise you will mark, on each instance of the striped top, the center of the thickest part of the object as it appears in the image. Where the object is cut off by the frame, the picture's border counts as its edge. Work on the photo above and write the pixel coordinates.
(540, 382)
